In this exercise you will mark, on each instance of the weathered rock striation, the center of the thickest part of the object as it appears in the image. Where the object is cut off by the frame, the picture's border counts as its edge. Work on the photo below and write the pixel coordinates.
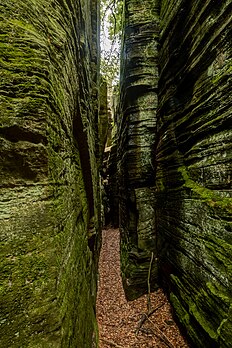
(137, 124)
(113, 185)
(49, 183)
(193, 160)
(174, 161)
(103, 118)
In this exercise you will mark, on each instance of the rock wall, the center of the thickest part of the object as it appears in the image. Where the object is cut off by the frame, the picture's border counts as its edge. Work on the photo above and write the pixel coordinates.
(193, 160)
(103, 116)
(174, 160)
(113, 186)
(137, 124)
(49, 215)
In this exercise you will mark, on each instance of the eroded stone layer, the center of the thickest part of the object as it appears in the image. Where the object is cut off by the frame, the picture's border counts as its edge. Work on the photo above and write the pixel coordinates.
(137, 123)
(48, 176)
(193, 159)
(113, 186)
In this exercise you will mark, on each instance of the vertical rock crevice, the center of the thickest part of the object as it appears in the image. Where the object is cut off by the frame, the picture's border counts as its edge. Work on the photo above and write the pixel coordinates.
(172, 160)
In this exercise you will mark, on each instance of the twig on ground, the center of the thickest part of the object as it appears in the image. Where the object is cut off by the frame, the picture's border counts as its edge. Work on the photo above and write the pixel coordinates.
(146, 316)
(161, 335)
(147, 331)
(149, 284)
(111, 343)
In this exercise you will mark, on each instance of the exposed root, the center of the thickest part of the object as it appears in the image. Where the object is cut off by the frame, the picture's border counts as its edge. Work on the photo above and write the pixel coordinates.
(145, 316)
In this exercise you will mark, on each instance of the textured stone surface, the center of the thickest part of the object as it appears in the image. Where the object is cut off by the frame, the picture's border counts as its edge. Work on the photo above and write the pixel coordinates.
(193, 160)
(137, 123)
(48, 172)
(103, 118)
(173, 170)
(175, 174)
(113, 185)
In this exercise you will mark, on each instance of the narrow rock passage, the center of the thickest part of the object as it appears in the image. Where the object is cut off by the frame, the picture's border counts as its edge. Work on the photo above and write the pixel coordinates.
(118, 319)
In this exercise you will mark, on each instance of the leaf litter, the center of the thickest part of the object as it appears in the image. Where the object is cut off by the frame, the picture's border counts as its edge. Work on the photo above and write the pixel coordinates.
(119, 321)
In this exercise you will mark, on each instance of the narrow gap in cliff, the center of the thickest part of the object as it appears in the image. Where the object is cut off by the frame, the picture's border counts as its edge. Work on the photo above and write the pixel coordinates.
(122, 323)
(110, 38)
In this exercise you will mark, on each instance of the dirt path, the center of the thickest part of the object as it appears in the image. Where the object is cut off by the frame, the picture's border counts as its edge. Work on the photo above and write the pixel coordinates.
(118, 319)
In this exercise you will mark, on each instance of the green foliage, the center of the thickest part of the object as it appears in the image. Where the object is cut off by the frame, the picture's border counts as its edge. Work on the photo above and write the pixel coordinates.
(111, 28)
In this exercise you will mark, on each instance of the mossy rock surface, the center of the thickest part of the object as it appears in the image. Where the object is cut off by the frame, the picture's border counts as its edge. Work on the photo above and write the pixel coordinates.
(174, 140)
(49, 199)
(193, 165)
(136, 143)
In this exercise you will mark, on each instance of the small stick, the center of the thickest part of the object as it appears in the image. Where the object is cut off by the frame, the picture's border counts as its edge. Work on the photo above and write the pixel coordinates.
(149, 284)
(111, 343)
(161, 335)
(146, 316)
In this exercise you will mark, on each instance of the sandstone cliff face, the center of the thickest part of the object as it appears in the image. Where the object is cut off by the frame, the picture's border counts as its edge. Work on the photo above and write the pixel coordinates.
(193, 159)
(175, 162)
(113, 185)
(49, 175)
(137, 124)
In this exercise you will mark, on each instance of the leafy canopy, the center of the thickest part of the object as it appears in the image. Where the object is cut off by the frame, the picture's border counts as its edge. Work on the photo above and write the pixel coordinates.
(111, 29)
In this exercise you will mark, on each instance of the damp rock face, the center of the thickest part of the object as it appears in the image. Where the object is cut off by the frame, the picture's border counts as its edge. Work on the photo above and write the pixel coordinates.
(193, 161)
(174, 159)
(113, 185)
(48, 172)
(103, 118)
(136, 128)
